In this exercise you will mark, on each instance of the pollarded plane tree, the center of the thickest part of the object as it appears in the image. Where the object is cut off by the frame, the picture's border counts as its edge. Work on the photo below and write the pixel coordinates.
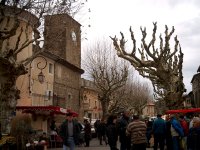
(163, 65)
(21, 26)
(108, 73)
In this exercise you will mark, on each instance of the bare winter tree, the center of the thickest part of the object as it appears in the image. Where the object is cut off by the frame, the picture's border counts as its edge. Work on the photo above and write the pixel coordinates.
(108, 73)
(21, 25)
(116, 99)
(138, 96)
(163, 66)
(133, 96)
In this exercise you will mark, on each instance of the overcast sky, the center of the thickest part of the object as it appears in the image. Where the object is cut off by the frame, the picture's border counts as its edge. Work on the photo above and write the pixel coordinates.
(109, 17)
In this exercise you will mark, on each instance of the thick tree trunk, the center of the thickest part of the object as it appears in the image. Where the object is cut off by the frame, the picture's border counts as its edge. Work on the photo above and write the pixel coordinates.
(174, 100)
(8, 92)
(8, 100)
(104, 105)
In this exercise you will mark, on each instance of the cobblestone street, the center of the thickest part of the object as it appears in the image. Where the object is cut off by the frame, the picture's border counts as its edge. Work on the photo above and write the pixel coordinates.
(94, 145)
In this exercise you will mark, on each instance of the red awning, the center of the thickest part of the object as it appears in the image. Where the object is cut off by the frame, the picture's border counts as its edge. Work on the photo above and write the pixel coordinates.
(184, 111)
(44, 109)
(75, 114)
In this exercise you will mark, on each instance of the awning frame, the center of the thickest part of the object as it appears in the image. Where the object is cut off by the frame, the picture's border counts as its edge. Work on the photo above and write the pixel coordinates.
(51, 109)
(183, 111)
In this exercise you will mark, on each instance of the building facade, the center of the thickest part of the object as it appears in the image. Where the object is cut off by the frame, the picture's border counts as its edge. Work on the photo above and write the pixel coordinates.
(196, 88)
(149, 109)
(63, 39)
(91, 106)
(60, 64)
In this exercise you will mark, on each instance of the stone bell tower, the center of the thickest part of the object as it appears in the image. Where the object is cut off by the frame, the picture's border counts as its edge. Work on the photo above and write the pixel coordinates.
(62, 37)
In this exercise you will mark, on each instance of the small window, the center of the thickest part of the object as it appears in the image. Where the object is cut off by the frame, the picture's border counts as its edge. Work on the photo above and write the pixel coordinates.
(69, 96)
(48, 95)
(51, 68)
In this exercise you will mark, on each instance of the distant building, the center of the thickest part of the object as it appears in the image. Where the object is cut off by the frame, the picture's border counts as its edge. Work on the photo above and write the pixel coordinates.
(196, 88)
(91, 106)
(149, 109)
(189, 100)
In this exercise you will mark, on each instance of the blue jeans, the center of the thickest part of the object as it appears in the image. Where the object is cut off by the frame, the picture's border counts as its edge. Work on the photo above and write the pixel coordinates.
(71, 144)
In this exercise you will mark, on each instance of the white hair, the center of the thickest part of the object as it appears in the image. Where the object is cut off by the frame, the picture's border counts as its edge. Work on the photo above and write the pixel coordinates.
(196, 119)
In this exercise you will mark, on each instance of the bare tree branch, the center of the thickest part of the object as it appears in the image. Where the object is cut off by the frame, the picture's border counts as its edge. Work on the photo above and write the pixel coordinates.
(108, 73)
(163, 68)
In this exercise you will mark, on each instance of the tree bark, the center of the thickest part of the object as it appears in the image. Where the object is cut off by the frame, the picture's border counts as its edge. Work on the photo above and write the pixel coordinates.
(104, 104)
(9, 93)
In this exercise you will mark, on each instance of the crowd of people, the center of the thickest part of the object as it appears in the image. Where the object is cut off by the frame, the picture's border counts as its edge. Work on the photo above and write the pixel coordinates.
(174, 132)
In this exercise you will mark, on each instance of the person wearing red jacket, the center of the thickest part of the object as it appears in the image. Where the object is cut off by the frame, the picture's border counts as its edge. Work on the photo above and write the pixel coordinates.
(185, 127)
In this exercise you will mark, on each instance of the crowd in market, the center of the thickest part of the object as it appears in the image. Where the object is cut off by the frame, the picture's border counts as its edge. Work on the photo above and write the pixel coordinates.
(174, 132)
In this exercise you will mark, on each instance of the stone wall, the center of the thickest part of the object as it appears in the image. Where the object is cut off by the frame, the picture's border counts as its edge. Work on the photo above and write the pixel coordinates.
(196, 89)
(59, 38)
(67, 86)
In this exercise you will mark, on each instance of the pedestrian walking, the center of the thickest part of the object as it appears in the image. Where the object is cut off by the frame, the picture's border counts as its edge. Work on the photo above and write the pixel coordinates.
(125, 141)
(88, 134)
(149, 125)
(101, 132)
(96, 124)
(159, 132)
(69, 132)
(193, 139)
(176, 132)
(111, 132)
(168, 134)
(184, 125)
(137, 131)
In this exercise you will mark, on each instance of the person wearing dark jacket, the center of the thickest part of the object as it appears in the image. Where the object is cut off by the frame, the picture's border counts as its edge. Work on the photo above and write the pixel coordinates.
(69, 132)
(193, 139)
(111, 132)
(159, 131)
(101, 132)
(88, 133)
(125, 141)
(168, 134)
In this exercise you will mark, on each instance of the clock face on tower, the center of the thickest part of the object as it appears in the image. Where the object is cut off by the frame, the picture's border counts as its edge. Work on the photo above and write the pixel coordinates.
(73, 34)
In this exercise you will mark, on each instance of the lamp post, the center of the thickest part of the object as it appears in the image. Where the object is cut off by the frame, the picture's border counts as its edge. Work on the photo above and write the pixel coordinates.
(41, 66)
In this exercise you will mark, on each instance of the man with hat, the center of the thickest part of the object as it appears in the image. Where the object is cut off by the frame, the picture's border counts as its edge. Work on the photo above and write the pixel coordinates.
(69, 132)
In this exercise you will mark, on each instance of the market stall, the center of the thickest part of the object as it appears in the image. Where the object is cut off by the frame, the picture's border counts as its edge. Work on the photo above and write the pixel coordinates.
(183, 111)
